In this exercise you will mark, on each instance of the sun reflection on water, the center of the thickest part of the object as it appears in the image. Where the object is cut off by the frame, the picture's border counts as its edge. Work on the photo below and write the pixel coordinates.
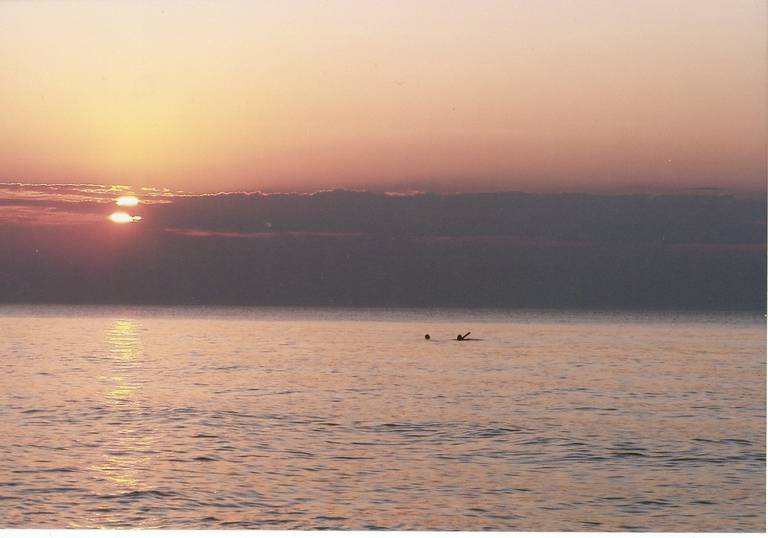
(123, 339)
(125, 352)
(126, 448)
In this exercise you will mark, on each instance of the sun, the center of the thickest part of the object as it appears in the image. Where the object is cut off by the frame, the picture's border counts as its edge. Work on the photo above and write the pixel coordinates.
(127, 201)
(121, 217)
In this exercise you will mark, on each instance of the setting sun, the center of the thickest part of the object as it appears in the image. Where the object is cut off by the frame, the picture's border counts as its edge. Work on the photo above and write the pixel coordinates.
(120, 217)
(127, 201)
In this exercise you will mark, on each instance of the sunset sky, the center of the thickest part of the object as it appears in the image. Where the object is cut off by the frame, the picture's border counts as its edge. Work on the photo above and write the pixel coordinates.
(433, 95)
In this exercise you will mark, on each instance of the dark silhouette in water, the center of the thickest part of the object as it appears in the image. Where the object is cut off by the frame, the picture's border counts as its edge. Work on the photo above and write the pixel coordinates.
(426, 337)
(460, 337)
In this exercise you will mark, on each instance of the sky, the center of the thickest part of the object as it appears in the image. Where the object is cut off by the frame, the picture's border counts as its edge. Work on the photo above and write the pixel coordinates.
(442, 96)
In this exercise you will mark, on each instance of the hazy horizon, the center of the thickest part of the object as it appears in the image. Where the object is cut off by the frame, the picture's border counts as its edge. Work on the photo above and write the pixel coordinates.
(360, 248)
(395, 188)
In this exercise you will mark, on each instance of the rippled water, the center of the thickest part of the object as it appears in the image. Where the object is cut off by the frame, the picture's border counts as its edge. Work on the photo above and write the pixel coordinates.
(348, 419)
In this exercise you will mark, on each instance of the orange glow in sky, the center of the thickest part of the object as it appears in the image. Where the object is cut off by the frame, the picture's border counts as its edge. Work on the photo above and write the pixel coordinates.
(465, 95)
(127, 201)
(121, 217)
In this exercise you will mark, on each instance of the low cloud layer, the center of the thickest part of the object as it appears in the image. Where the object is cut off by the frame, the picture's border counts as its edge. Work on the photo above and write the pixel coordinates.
(360, 248)
(701, 218)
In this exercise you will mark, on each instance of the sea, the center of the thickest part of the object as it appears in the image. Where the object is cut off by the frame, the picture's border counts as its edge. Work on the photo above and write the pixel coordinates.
(116, 417)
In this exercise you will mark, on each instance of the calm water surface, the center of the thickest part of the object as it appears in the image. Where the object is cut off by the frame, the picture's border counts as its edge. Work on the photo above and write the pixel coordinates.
(349, 419)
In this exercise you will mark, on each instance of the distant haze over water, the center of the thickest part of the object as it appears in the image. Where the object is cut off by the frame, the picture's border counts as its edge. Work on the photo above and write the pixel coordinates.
(349, 248)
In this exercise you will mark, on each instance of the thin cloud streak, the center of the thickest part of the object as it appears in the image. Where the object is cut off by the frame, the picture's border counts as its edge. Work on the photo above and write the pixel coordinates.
(256, 235)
